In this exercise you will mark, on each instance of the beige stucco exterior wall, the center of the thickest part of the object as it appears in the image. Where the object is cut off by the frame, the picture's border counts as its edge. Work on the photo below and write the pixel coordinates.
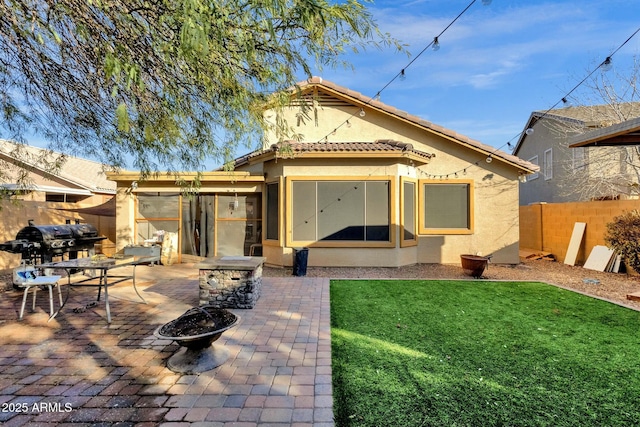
(495, 190)
(496, 229)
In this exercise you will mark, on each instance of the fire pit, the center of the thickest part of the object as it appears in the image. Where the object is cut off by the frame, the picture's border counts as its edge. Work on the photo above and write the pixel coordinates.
(195, 331)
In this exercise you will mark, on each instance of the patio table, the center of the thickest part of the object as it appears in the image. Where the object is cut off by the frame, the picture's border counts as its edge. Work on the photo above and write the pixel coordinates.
(102, 266)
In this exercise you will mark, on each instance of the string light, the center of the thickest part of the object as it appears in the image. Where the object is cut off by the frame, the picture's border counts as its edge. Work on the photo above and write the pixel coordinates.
(436, 44)
(401, 75)
(605, 65)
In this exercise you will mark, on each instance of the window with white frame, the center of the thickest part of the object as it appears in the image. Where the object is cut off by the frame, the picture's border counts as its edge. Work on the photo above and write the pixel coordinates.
(536, 162)
(579, 158)
(548, 164)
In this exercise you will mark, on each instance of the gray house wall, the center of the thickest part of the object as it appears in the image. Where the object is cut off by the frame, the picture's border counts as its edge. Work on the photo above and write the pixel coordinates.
(543, 188)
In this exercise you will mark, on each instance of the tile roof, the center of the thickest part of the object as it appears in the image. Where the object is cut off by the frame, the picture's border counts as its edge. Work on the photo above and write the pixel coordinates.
(346, 147)
(84, 173)
(624, 133)
(418, 121)
(588, 117)
(595, 115)
(341, 148)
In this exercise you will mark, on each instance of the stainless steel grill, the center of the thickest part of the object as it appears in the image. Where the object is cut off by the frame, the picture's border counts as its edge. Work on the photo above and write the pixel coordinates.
(40, 243)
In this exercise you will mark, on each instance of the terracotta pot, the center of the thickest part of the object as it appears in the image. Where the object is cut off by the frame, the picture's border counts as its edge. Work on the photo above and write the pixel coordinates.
(474, 265)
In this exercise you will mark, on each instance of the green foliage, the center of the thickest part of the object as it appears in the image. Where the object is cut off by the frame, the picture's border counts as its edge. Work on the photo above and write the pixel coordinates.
(476, 353)
(167, 82)
(623, 234)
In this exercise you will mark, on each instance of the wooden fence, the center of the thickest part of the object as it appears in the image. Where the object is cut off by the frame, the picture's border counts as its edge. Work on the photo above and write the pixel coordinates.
(548, 226)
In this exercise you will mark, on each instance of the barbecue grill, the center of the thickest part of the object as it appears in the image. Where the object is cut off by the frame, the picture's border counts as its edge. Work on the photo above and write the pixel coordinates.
(40, 243)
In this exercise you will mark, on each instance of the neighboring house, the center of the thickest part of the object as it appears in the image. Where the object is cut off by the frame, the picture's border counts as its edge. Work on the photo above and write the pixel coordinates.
(584, 172)
(78, 191)
(624, 134)
(367, 185)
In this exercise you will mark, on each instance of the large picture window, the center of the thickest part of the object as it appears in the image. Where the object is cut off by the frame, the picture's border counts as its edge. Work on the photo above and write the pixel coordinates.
(446, 207)
(340, 211)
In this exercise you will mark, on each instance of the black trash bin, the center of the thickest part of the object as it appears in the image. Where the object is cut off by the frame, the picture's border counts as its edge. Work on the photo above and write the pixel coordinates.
(300, 258)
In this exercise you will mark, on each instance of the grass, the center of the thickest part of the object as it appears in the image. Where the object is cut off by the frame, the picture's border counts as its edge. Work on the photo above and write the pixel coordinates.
(476, 353)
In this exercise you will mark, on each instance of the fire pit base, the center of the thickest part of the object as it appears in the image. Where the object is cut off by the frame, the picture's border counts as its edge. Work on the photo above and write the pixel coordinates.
(195, 331)
(193, 361)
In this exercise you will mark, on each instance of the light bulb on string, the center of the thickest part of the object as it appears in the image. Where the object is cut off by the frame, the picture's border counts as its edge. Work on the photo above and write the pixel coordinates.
(362, 113)
(489, 159)
(348, 123)
(403, 76)
(436, 44)
(529, 131)
(606, 64)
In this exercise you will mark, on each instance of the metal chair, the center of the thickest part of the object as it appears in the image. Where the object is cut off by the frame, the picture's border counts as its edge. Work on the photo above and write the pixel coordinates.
(28, 281)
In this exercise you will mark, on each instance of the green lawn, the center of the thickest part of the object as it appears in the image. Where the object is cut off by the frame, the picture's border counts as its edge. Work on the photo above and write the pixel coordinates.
(477, 353)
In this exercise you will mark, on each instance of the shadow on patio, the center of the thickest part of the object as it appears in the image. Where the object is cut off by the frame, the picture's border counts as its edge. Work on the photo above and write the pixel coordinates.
(78, 368)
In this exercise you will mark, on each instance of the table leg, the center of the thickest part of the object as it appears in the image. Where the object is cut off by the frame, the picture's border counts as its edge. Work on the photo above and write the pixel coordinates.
(103, 280)
(133, 278)
(50, 301)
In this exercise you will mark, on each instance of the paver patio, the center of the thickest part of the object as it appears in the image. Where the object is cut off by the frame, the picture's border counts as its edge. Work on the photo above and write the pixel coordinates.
(79, 370)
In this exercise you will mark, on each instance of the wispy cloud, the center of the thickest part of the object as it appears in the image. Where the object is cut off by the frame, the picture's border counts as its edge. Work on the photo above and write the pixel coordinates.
(490, 44)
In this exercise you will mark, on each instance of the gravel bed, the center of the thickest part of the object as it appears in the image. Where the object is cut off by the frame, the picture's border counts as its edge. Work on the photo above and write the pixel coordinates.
(613, 287)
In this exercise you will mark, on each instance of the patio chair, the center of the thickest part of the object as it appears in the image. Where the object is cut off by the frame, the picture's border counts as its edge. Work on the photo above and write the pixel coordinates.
(29, 281)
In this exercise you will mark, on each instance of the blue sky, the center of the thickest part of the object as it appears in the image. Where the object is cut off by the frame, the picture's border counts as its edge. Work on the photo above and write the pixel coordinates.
(496, 63)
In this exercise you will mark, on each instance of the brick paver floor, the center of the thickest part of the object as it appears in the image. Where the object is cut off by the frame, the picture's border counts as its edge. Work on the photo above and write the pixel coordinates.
(78, 370)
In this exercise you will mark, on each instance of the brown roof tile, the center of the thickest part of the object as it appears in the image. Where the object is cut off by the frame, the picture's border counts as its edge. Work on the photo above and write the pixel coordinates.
(299, 148)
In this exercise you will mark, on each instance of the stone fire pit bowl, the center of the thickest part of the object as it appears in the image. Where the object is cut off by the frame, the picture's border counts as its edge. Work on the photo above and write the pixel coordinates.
(195, 331)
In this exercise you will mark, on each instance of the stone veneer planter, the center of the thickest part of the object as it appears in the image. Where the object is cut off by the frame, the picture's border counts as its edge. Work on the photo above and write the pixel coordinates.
(230, 281)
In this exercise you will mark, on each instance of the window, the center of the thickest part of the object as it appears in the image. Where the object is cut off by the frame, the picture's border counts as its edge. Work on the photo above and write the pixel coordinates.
(535, 175)
(579, 157)
(340, 211)
(272, 211)
(408, 212)
(156, 212)
(548, 164)
(446, 207)
(64, 197)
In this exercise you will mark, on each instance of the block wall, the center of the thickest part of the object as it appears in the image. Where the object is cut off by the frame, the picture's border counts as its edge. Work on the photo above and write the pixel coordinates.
(548, 226)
